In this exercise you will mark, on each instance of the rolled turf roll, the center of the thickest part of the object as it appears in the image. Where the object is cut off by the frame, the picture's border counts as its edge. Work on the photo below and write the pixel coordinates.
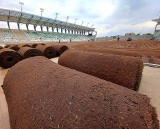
(60, 48)
(9, 57)
(1, 47)
(14, 47)
(6, 46)
(52, 96)
(47, 51)
(26, 45)
(122, 70)
(35, 45)
(27, 52)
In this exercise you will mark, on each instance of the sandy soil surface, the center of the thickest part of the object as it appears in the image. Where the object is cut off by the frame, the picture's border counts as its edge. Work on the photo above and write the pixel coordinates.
(149, 86)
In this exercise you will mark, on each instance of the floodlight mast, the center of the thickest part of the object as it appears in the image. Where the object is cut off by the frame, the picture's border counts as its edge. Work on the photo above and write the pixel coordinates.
(42, 10)
(21, 3)
(75, 21)
(56, 16)
(67, 18)
(82, 23)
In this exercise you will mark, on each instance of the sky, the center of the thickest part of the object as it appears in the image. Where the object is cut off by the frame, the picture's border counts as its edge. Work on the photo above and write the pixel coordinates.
(108, 17)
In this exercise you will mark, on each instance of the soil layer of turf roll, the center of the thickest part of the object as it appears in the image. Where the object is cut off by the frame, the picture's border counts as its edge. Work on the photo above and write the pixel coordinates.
(9, 57)
(52, 96)
(60, 49)
(122, 70)
(47, 51)
(27, 52)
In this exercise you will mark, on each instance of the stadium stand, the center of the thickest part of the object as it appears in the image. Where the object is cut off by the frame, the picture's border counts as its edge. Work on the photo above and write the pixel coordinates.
(69, 31)
(8, 35)
(157, 31)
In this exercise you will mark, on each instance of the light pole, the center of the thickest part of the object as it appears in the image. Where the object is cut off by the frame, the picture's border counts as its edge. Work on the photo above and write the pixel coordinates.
(75, 21)
(82, 23)
(21, 3)
(56, 16)
(42, 10)
(67, 18)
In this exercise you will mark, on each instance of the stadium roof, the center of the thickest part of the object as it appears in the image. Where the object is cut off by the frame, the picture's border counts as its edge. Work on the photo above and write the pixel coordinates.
(157, 20)
(26, 18)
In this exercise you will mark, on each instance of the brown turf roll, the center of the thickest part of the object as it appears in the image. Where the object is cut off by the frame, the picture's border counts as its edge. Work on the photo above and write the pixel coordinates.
(26, 45)
(6, 46)
(52, 96)
(1, 47)
(35, 45)
(122, 70)
(60, 48)
(27, 52)
(9, 57)
(14, 47)
(47, 51)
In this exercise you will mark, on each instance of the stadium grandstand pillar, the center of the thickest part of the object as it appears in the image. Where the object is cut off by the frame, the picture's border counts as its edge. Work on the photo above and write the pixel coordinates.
(72, 31)
(52, 29)
(8, 24)
(65, 31)
(47, 28)
(61, 30)
(18, 24)
(57, 29)
(41, 28)
(27, 26)
(35, 27)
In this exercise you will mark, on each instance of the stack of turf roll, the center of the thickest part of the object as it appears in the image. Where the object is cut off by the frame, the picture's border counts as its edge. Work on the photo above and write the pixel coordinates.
(122, 70)
(53, 96)
(27, 52)
(60, 49)
(47, 51)
(9, 57)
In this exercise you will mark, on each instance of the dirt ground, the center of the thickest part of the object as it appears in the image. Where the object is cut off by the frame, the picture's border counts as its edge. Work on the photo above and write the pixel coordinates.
(149, 86)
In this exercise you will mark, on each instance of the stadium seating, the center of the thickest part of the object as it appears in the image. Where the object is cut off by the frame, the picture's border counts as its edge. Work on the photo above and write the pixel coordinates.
(7, 35)
(157, 35)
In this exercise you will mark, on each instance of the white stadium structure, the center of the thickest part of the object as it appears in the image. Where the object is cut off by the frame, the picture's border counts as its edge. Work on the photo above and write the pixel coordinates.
(56, 30)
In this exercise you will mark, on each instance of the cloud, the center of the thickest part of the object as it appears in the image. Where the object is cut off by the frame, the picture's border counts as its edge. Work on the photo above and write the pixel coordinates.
(109, 17)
